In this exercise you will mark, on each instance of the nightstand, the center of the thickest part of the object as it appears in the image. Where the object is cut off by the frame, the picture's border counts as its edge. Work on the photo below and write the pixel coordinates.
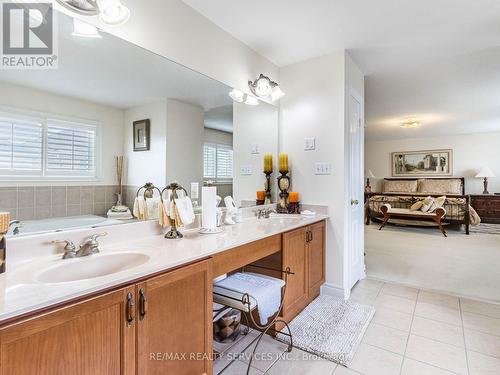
(487, 207)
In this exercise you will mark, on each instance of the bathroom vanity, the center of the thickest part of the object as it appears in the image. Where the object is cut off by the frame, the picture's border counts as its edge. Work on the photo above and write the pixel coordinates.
(155, 317)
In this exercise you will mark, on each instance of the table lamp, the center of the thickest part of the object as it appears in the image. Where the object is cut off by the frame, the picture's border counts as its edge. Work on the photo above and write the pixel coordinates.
(485, 173)
(369, 175)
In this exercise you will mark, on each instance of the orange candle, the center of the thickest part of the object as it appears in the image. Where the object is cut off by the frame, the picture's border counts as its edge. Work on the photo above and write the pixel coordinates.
(293, 197)
(261, 195)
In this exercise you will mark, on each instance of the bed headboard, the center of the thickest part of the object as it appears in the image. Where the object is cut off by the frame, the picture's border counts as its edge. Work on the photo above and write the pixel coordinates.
(462, 180)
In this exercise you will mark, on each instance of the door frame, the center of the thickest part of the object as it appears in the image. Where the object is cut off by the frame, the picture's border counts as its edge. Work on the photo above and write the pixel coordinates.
(348, 271)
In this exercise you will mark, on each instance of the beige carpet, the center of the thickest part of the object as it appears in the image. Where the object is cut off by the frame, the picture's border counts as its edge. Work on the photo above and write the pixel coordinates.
(422, 257)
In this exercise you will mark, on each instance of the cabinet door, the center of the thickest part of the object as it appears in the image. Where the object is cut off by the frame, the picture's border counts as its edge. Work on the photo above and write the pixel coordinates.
(316, 259)
(175, 322)
(91, 337)
(294, 256)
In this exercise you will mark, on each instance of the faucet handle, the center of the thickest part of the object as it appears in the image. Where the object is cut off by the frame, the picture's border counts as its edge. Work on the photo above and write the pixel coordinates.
(69, 249)
(94, 237)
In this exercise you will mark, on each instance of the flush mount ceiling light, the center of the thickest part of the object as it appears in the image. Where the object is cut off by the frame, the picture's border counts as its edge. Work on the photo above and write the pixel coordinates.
(263, 87)
(241, 97)
(410, 124)
(84, 30)
(113, 12)
(83, 7)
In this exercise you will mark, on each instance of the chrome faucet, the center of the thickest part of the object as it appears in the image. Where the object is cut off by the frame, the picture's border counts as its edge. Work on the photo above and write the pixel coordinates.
(17, 224)
(264, 212)
(88, 247)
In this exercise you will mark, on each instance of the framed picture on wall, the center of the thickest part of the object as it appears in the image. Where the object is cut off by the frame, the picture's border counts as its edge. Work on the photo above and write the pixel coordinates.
(425, 163)
(141, 135)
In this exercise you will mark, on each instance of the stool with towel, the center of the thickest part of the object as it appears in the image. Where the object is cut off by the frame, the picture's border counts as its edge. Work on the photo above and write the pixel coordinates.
(251, 292)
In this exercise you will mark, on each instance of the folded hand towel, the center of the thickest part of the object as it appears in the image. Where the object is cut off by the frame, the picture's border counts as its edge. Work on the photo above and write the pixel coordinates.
(185, 210)
(152, 205)
(164, 219)
(139, 210)
(266, 291)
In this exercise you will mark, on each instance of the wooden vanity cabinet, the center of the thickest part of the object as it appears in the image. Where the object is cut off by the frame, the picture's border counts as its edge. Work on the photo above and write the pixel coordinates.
(132, 330)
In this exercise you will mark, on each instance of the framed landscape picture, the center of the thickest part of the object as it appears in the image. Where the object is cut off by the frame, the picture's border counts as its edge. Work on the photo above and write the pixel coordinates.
(425, 163)
(141, 135)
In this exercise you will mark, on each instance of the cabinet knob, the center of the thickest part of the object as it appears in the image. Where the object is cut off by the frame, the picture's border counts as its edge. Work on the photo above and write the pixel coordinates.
(143, 304)
(129, 311)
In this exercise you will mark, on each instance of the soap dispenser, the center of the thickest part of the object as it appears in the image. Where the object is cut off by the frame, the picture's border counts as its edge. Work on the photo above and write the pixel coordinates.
(4, 228)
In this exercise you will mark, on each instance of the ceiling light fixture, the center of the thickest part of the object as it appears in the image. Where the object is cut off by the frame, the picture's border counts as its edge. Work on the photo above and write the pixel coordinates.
(83, 7)
(113, 12)
(410, 124)
(263, 87)
(84, 30)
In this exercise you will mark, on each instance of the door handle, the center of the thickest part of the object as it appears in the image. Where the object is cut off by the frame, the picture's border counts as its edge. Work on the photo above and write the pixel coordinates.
(354, 202)
(129, 311)
(143, 304)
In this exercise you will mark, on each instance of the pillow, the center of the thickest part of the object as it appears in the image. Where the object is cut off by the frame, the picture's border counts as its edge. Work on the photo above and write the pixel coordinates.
(439, 186)
(427, 204)
(400, 186)
(417, 205)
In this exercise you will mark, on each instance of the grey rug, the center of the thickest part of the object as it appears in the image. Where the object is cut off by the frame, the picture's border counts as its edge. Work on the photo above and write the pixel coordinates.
(331, 328)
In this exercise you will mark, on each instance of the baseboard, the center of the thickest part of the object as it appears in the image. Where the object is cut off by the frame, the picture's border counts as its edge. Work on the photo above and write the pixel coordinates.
(333, 290)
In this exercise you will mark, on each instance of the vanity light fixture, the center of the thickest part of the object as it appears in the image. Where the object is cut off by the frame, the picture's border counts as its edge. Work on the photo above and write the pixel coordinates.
(410, 124)
(84, 30)
(263, 87)
(251, 100)
(113, 12)
(83, 7)
(240, 97)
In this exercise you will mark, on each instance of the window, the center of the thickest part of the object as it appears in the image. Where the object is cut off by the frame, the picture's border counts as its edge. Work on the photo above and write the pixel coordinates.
(218, 162)
(45, 148)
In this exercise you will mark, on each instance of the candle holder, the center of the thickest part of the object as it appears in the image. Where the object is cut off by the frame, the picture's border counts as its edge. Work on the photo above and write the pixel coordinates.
(268, 187)
(283, 185)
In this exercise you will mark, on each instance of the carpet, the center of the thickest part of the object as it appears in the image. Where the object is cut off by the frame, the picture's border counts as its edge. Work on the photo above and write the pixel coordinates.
(485, 228)
(331, 328)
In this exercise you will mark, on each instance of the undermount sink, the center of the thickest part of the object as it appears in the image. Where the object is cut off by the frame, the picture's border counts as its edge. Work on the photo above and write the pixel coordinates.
(91, 266)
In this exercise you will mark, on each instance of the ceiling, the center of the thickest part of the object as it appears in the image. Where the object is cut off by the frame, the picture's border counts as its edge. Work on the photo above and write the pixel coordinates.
(220, 118)
(116, 73)
(434, 60)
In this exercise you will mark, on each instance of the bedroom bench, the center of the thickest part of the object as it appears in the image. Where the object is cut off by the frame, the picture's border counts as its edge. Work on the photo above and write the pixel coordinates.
(405, 213)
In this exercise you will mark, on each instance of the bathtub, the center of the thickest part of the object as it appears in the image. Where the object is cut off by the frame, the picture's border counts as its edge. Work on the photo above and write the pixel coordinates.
(61, 223)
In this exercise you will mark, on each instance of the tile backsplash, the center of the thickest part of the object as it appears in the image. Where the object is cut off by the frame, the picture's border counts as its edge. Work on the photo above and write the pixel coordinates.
(40, 202)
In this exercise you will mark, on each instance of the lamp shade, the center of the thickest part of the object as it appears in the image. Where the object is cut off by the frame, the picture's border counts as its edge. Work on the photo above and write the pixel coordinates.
(485, 172)
(369, 174)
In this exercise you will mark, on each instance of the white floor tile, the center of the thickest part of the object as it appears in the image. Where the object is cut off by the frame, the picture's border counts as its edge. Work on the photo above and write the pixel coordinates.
(480, 364)
(369, 284)
(412, 367)
(483, 343)
(432, 329)
(387, 338)
(438, 299)
(440, 313)
(268, 352)
(400, 304)
(299, 362)
(400, 291)
(364, 296)
(438, 354)
(481, 323)
(341, 370)
(483, 308)
(239, 368)
(370, 360)
(392, 318)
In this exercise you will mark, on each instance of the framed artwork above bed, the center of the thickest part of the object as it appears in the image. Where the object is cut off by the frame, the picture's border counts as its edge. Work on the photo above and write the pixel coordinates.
(426, 163)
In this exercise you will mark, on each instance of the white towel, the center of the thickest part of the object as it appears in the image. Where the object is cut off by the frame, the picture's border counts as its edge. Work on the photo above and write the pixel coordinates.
(266, 291)
(146, 209)
(185, 210)
(138, 210)
(153, 207)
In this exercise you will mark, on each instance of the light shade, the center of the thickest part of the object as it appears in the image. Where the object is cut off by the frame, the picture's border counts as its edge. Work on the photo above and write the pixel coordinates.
(277, 94)
(369, 174)
(84, 30)
(251, 100)
(113, 12)
(237, 95)
(485, 172)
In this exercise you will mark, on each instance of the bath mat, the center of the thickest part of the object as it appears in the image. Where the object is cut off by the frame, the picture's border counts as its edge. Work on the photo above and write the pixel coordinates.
(331, 328)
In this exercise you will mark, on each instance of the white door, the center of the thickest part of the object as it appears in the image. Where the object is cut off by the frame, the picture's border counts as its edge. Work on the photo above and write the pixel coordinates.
(356, 262)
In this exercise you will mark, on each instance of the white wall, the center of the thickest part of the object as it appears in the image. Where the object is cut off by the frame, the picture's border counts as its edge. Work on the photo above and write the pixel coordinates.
(111, 119)
(185, 133)
(146, 166)
(470, 152)
(314, 107)
(218, 136)
(253, 125)
(172, 29)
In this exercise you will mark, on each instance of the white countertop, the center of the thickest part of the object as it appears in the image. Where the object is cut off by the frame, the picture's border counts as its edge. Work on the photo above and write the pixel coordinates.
(21, 292)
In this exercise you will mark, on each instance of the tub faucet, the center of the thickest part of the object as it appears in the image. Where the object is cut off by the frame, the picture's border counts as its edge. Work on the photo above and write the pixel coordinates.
(17, 224)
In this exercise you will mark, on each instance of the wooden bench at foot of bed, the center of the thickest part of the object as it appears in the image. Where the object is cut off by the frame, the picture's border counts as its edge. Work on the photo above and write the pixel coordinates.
(406, 213)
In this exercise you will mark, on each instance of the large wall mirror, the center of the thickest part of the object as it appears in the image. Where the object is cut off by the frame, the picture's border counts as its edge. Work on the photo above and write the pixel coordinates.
(61, 129)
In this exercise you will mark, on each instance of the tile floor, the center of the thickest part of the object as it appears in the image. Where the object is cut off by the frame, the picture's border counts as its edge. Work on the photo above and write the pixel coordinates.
(413, 332)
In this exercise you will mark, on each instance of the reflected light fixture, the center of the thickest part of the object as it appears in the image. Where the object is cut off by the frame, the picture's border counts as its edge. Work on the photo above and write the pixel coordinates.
(82, 7)
(263, 87)
(251, 100)
(410, 124)
(113, 12)
(240, 97)
(84, 30)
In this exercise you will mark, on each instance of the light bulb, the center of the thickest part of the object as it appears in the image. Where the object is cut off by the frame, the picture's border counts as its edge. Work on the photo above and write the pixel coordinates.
(113, 12)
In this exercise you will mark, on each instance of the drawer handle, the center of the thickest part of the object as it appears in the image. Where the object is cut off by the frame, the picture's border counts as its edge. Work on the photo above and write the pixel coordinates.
(130, 309)
(143, 304)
